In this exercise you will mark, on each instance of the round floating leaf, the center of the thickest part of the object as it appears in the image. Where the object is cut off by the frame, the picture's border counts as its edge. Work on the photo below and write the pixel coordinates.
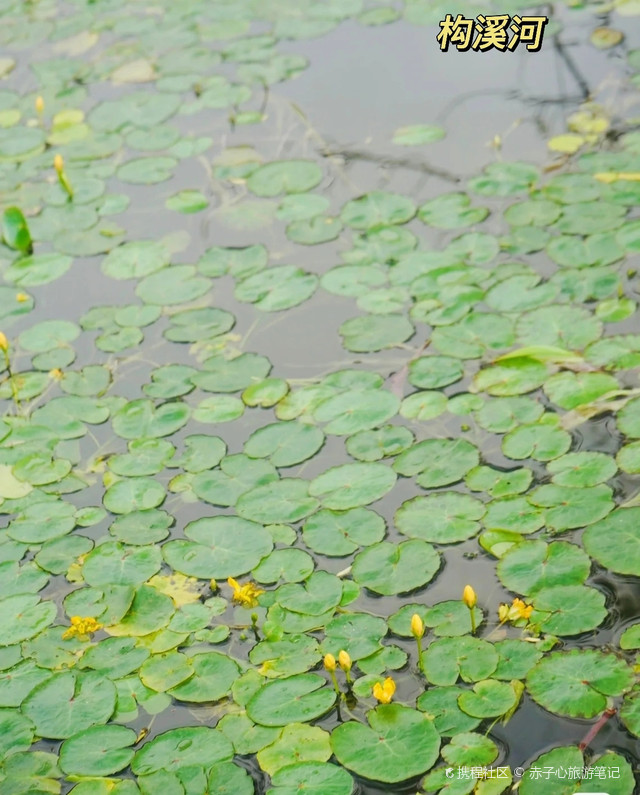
(290, 565)
(294, 654)
(176, 284)
(377, 208)
(398, 744)
(277, 288)
(388, 569)
(97, 751)
(231, 375)
(569, 390)
(219, 547)
(488, 699)
(37, 269)
(434, 372)
(511, 377)
(533, 565)
(569, 507)
(285, 500)
(311, 232)
(140, 419)
(187, 201)
(440, 704)
(451, 618)
(142, 527)
(114, 657)
(577, 683)
(302, 207)
(113, 563)
(614, 542)
(285, 443)
(359, 634)
(540, 442)
(69, 702)
(582, 470)
(569, 327)
(438, 462)
(374, 332)
(451, 211)
(23, 616)
(568, 610)
(352, 485)
(133, 494)
(339, 533)
(316, 778)
(381, 443)
(322, 592)
(356, 410)
(193, 325)
(285, 176)
(181, 748)
(299, 698)
(471, 659)
(150, 611)
(163, 671)
(444, 518)
(136, 260)
(503, 414)
(469, 749)
(296, 741)
(628, 419)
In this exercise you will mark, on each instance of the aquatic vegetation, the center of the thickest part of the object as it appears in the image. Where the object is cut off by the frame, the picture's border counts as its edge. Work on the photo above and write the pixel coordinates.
(259, 405)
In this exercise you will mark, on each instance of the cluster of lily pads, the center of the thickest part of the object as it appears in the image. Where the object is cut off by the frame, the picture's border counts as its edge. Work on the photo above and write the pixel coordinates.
(187, 608)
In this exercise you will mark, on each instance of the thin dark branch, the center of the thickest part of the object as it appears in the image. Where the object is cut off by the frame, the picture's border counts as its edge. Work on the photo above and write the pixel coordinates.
(395, 162)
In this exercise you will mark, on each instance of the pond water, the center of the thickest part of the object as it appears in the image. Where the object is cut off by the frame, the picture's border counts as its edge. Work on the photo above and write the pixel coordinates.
(311, 326)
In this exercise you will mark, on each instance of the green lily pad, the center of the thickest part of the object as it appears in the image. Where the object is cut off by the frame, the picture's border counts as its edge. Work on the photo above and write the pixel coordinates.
(534, 565)
(97, 751)
(377, 208)
(582, 470)
(614, 542)
(437, 462)
(113, 563)
(488, 699)
(140, 419)
(285, 444)
(472, 659)
(175, 284)
(70, 702)
(285, 176)
(212, 675)
(287, 501)
(296, 741)
(568, 609)
(469, 749)
(352, 485)
(339, 533)
(444, 518)
(399, 743)
(317, 778)
(387, 568)
(277, 288)
(180, 748)
(299, 698)
(23, 616)
(440, 704)
(375, 333)
(577, 683)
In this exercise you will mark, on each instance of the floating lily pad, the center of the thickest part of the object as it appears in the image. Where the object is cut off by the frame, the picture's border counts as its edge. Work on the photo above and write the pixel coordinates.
(181, 748)
(577, 683)
(352, 485)
(614, 542)
(444, 518)
(285, 176)
(399, 743)
(299, 698)
(387, 568)
(98, 751)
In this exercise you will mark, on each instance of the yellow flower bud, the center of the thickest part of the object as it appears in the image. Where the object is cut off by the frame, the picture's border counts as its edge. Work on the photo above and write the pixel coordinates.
(344, 661)
(4, 343)
(384, 692)
(417, 626)
(21, 298)
(58, 163)
(469, 597)
(39, 103)
(330, 662)
(56, 374)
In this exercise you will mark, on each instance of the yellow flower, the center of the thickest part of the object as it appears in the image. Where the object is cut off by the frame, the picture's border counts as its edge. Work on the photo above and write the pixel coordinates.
(39, 103)
(58, 163)
(516, 611)
(417, 626)
(21, 298)
(245, 595)
(56, 374)
(4, 343)
(81, 628)
(384, 692)
(344, 661)
(329, 662)
(469, 597)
